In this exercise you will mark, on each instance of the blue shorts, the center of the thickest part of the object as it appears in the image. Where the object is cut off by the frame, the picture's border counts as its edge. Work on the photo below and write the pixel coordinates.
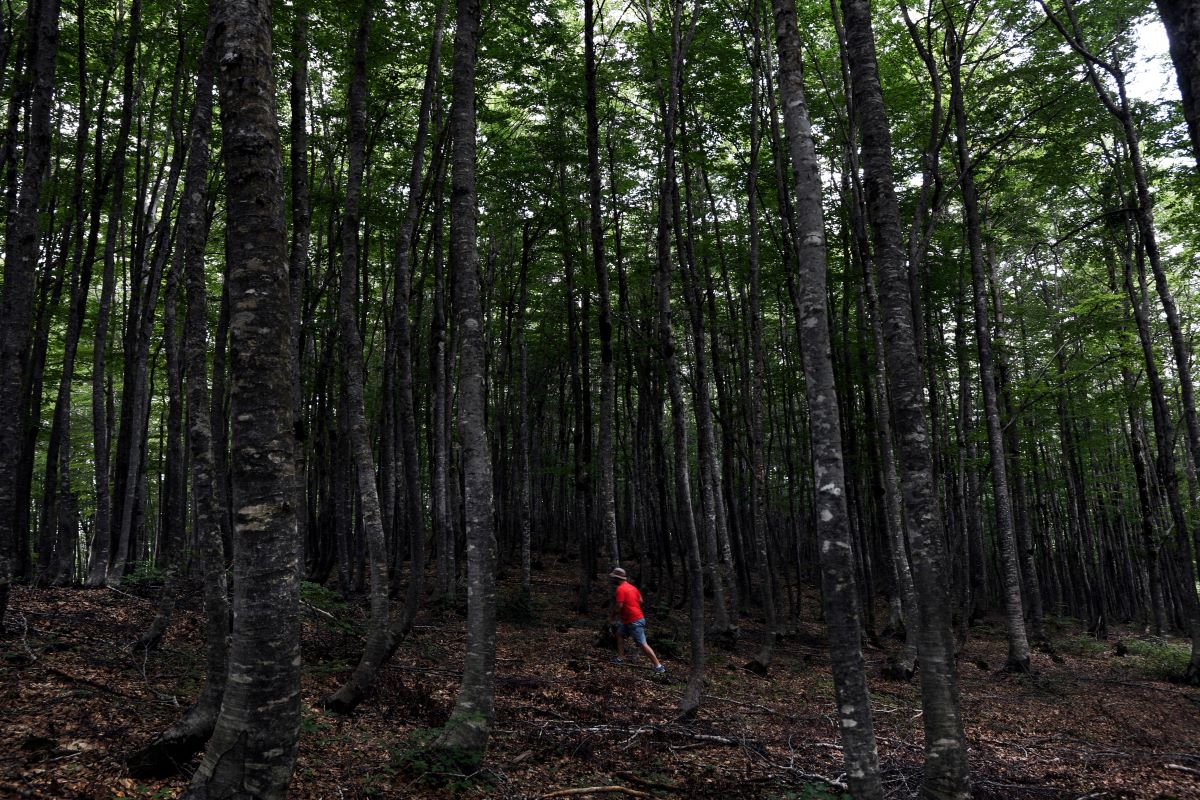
(636, 630)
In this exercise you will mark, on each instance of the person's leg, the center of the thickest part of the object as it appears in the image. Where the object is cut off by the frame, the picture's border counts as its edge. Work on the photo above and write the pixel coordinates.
(648, 651)
(620, 641)
(639, 637)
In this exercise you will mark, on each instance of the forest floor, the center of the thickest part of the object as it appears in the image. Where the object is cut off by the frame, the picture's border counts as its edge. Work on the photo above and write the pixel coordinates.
(75, 699)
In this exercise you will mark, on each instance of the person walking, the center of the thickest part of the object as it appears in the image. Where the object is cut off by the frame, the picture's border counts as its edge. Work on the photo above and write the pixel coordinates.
(628, 609)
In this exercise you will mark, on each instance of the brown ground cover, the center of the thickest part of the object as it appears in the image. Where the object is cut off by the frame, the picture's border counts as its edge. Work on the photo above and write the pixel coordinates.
(1099, 721)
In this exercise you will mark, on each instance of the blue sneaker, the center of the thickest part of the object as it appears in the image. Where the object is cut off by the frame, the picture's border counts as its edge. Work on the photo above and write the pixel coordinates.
(618, 660)
(660, 669)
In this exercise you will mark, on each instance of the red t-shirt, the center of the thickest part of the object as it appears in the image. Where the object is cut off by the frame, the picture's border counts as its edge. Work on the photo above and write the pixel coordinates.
(628, 594)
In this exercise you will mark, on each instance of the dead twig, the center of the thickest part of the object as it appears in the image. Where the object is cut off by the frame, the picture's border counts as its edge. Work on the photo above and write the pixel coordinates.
(597, 790)
(310, 607)
(127, 594)
(754, 706)
(89, 682)
(645, 784)
(1182, 768)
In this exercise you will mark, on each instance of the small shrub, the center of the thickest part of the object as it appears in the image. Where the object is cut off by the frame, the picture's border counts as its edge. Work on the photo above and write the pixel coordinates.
(337, 612)
(320, 597)
(1080, 646)
(145, 577)
(431, 766)
(1157, 660)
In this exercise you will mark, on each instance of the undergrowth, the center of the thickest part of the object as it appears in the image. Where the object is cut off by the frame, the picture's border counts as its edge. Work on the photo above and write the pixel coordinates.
(1081, 646)
(426, 764)
(1157, 660)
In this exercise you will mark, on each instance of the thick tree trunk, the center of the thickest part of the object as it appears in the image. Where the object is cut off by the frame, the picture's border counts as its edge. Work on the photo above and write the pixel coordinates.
(16, 301)
(833, 523)
(465, 736)
(1182, 21)
(253, 746)
(946, 775)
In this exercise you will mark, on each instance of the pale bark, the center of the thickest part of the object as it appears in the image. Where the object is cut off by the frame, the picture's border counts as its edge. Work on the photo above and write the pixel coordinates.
(465, 736)
(839, 592)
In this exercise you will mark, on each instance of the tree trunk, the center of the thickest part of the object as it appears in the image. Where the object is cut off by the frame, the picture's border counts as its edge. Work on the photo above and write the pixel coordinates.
(608, 495)
(1182, 21)
(669, 106)
(464, 739)
(440, 363)
(833, 523)
(946, 775)
(1010, 572)
(253, 746)
(16, 302)
(353, 375)
(1164, 438)
(758, 468)
(101, 554)
(382, 642)
(58, 503)
(298, 257)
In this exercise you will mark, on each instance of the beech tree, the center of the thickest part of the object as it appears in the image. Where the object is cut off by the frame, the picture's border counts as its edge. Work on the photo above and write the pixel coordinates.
(253, 744)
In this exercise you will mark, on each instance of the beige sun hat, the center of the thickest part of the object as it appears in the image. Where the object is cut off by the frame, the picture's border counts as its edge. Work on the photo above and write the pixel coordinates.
(619, 574)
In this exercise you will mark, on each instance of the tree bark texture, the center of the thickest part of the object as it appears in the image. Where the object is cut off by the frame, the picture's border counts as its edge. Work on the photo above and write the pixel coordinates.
(466, 734)
(946, 776)
(16, 302)
(833, 522)
(253, 746)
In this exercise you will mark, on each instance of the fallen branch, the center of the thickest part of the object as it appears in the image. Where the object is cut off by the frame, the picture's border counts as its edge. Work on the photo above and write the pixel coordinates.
(1182, 768)
(321, 611)
(668, 731)
(836, 783)
(132, 596)
(597, 790)
(755, 706)
(89, 682)
(645, 784)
